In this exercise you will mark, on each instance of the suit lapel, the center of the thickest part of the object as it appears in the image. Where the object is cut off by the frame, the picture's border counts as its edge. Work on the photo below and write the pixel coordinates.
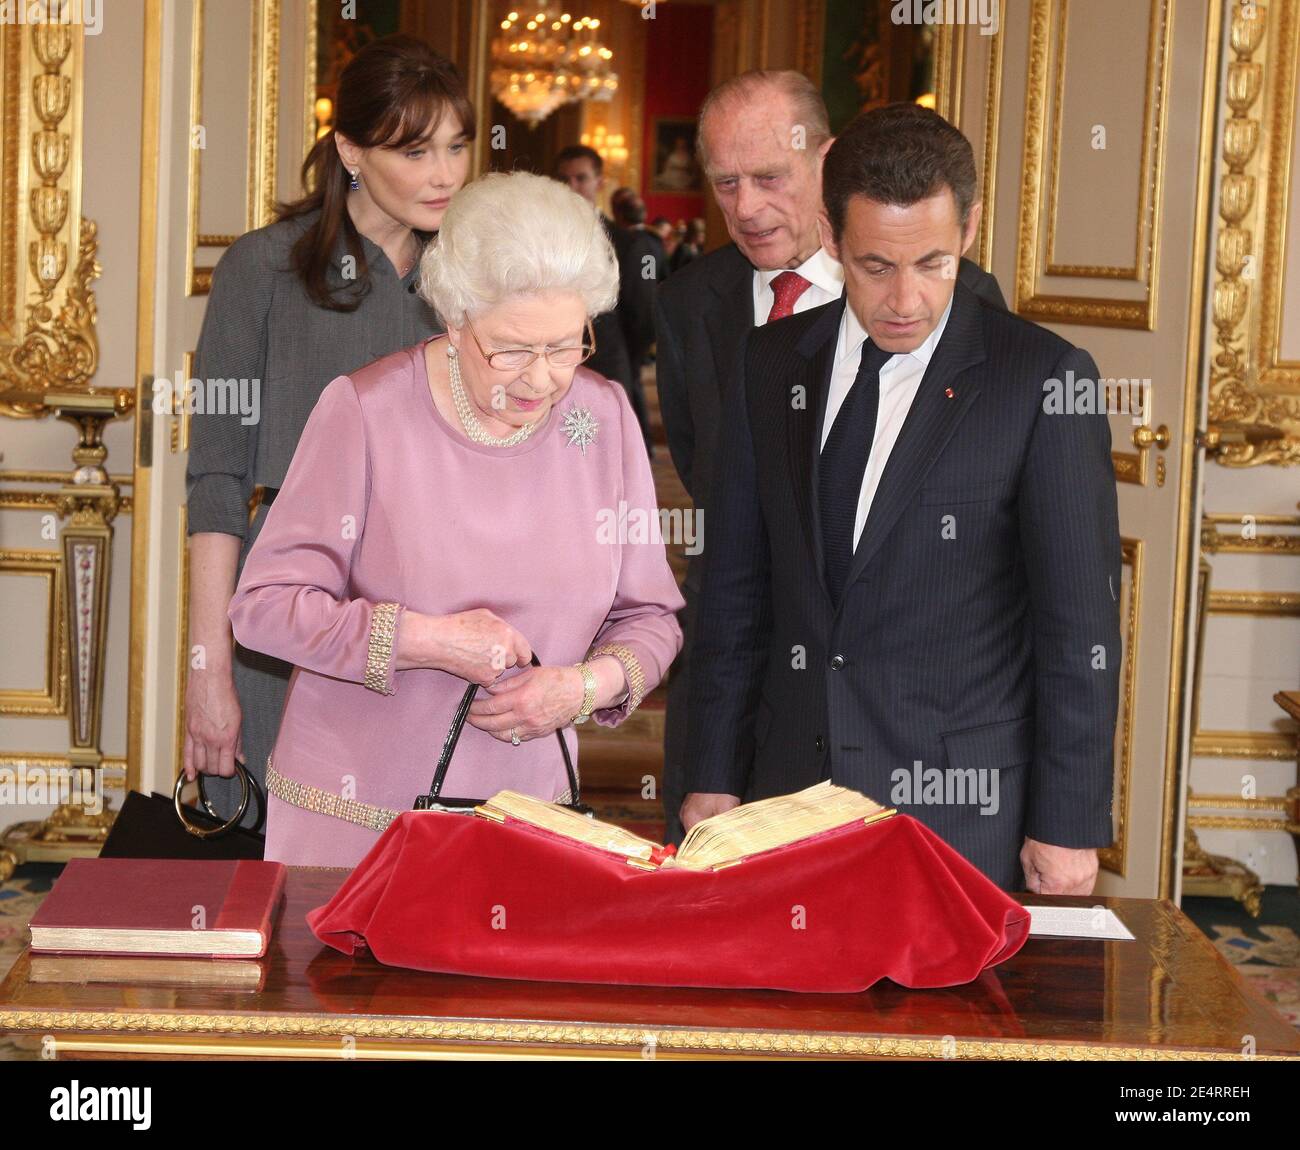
(929, 424)
(732, 313)
(817, 348)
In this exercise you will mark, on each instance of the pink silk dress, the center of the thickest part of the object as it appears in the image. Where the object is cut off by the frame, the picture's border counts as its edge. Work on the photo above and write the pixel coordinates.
(386, 501)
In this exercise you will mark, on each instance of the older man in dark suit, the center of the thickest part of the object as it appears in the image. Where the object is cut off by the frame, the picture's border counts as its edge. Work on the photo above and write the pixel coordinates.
(913, 565)
(762, 137)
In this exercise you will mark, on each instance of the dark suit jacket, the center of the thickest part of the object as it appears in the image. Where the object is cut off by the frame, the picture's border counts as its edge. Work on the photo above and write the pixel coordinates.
(979, 627)
(701, 316)
(638, 250)
(611, 358)
(702, 313)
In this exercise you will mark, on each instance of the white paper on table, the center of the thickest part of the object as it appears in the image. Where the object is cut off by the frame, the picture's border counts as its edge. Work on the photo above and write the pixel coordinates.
(1076, 922)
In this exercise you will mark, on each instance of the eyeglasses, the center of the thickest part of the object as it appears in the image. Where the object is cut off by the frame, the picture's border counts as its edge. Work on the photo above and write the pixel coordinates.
(518, 358)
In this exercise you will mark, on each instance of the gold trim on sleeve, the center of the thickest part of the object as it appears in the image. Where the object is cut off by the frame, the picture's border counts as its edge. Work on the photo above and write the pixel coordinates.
(383, 629)
(631, 668)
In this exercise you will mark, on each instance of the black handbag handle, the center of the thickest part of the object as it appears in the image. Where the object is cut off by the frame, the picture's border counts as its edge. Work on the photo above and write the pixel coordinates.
(453, 736)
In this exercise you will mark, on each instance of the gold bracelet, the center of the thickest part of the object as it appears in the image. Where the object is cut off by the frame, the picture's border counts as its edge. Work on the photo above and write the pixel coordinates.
(588, 694)
(383, 628)
(631, 668)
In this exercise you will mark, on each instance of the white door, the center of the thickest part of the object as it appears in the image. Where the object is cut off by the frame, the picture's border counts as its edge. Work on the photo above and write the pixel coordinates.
(234, 130)
(1096, 216)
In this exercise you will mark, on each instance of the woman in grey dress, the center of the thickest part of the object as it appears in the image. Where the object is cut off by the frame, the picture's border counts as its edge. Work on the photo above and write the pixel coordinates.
(328, 287)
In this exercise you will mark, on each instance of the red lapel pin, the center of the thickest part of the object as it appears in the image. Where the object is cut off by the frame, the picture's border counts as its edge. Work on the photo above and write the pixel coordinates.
(948, 391)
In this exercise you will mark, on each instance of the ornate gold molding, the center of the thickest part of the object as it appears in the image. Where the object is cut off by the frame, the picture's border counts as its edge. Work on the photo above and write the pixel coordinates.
(1285, 603)
(19, 761)
(949, 70)
(1257, 745)
(52, 698)
(1241, 823)
(1078, 309)
(263, 112)
(1276, 804)
(230, 1030)
(1214, 541)
(1248, 387)
(24, 500)
(1148, 188)
(992, 120)
(1114, 857)
(47, 309)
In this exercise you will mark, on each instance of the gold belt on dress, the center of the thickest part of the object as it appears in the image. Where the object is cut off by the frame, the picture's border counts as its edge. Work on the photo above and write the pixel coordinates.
(326, 803)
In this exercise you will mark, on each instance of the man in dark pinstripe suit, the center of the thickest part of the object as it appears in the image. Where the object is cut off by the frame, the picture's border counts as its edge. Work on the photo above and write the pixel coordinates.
(912, 568)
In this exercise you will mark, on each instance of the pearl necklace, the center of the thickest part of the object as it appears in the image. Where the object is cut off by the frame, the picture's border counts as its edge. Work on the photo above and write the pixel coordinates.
(468, 420)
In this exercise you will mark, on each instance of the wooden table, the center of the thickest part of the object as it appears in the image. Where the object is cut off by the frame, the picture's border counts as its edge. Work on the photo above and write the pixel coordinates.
(1167, 995)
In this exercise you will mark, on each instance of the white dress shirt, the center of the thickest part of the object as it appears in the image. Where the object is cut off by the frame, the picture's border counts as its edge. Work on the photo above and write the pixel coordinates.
(899, 380)
(825, 278)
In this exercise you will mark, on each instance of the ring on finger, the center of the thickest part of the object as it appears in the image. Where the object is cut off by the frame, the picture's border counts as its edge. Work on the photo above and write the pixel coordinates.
(514, 736)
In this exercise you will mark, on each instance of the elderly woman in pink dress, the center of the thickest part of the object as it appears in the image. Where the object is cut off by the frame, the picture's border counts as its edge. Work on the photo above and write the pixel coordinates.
(445, 516)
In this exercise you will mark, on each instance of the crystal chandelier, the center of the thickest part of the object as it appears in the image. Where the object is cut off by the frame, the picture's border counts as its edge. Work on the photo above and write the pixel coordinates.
(542, 61)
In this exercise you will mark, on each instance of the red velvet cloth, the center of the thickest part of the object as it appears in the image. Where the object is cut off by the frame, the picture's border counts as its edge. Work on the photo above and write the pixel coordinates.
(835, 912)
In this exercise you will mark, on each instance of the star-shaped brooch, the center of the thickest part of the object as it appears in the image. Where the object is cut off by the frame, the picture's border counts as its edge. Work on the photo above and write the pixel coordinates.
(581, 427)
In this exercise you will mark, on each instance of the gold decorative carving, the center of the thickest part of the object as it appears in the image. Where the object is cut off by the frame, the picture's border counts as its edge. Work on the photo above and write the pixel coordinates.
(229, 1029)
(54, 345)
(1274, 803)
(19, 761)
(1240, 823)
(1249, 389)
(1258, 745)
(1254, 603)
(1214, 541)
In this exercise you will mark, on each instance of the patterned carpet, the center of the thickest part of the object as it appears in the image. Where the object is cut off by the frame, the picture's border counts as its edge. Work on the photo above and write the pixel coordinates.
(19, 898)
(1265, 950)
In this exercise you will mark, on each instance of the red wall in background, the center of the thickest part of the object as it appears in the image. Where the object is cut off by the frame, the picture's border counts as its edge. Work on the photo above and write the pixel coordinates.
(678, 61)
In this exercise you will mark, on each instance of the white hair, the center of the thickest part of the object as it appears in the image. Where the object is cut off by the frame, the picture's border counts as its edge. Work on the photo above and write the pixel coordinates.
(513, 234)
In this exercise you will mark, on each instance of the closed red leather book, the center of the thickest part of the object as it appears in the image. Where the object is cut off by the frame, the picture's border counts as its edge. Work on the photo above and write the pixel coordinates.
(215, 908)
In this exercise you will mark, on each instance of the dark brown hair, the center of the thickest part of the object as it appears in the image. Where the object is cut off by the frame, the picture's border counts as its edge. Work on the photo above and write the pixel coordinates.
(392, 93)
(579, 152)
(897, 154)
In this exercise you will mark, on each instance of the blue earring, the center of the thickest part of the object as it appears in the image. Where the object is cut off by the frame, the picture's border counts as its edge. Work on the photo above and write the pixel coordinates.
(355, 186)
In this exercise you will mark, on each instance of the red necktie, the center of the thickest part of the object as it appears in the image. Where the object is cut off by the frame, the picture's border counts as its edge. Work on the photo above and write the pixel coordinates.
(786, 288)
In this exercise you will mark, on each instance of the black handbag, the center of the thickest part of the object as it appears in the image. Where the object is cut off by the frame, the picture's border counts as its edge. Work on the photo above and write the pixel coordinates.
(147, 827)
(435, 800)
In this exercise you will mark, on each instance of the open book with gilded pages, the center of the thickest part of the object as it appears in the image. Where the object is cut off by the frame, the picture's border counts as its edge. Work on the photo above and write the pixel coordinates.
(712, 843)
